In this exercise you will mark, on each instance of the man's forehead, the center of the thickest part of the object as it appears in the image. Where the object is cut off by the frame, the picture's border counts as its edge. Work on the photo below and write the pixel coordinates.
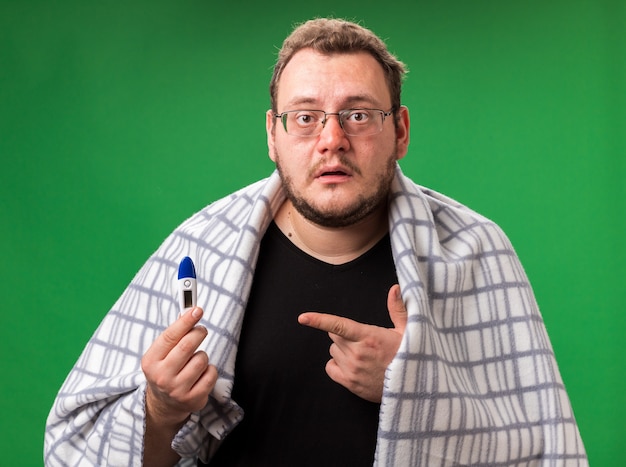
(310, 55)
(311, 77)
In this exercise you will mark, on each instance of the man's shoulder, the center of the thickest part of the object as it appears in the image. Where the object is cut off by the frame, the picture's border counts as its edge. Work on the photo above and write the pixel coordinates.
(409, 192)
(451, 223)
(231, 210)
(439, 202)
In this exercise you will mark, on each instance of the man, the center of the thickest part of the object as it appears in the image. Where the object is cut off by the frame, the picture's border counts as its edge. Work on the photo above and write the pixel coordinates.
(438, 354)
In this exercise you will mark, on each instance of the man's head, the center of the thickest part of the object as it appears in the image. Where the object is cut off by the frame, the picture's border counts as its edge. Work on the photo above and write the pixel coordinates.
(330, 36)
(336, 90)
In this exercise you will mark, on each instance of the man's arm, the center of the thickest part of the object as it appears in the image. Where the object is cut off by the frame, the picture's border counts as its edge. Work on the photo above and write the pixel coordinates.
(107, 411)
(179, 381)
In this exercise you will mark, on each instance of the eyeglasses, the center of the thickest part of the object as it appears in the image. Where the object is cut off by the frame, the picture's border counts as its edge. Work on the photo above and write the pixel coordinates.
(354, 122)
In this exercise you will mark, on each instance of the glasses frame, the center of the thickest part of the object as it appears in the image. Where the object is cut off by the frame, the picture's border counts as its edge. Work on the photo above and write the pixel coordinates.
(339, 115)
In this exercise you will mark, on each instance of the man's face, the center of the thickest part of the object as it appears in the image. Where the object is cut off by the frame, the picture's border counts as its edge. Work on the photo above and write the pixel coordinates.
(333, 179)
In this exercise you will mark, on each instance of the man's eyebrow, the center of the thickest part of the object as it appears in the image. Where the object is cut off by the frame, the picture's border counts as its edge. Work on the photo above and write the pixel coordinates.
(348, 102)
(361, 99)
(300, 101)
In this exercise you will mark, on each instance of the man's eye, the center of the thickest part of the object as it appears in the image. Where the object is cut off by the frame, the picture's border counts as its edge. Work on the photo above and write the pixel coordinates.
(305, 119)
(358, 116)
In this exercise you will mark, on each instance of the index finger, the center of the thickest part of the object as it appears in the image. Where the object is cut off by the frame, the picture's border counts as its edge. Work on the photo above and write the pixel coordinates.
(344, 327)
(163, 344)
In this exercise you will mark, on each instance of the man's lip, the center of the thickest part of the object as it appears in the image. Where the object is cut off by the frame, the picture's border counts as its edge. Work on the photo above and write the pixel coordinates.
(333, 171)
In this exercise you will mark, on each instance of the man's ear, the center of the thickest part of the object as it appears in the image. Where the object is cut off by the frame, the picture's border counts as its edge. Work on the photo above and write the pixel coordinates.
(270, 128)
(402, 131)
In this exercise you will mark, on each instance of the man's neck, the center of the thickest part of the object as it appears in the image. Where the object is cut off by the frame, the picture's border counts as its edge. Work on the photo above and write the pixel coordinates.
(333, 245)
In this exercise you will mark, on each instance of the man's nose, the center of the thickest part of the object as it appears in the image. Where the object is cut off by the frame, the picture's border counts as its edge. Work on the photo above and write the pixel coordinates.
(332, 134)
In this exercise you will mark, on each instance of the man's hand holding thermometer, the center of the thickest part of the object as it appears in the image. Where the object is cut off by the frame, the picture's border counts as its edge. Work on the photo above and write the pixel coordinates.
(179, 377)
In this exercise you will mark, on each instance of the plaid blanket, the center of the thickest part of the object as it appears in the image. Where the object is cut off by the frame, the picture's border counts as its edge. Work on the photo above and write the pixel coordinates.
(474, 382)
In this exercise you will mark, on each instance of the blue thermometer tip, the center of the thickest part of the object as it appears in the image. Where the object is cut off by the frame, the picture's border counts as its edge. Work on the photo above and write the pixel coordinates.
(186, 268)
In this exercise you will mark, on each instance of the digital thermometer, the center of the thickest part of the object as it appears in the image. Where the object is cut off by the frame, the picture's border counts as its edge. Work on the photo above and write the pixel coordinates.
(187, 292)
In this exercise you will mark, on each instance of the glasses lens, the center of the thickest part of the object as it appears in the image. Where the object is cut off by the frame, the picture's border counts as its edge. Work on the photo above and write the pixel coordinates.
(303, 122)
(361, 122)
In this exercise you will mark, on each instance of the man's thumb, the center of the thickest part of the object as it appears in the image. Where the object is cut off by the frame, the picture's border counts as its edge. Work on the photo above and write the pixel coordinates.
(397, 310)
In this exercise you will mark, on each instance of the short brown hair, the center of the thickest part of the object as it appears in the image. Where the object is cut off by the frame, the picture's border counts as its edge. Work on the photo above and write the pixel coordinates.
(330, 36)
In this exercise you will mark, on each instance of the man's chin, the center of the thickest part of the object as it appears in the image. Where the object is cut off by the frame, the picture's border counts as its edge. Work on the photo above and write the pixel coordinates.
(334, 216)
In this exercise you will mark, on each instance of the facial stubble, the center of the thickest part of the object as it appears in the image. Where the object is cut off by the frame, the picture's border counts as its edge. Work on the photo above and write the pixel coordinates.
(361, 208)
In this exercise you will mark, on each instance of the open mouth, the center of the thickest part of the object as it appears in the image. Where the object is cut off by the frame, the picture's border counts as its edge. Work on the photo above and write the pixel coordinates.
(333, 173)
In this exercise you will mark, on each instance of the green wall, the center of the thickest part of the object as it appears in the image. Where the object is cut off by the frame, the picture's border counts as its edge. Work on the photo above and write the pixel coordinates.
(120, 119)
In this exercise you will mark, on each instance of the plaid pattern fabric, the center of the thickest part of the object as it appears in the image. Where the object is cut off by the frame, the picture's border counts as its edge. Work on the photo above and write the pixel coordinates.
(474, 381)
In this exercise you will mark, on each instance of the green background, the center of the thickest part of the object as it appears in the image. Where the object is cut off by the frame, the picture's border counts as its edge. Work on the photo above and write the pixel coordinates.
(120, 119)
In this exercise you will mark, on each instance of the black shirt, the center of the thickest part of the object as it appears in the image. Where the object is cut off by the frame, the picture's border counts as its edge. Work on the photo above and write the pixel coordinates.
(295, 415)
